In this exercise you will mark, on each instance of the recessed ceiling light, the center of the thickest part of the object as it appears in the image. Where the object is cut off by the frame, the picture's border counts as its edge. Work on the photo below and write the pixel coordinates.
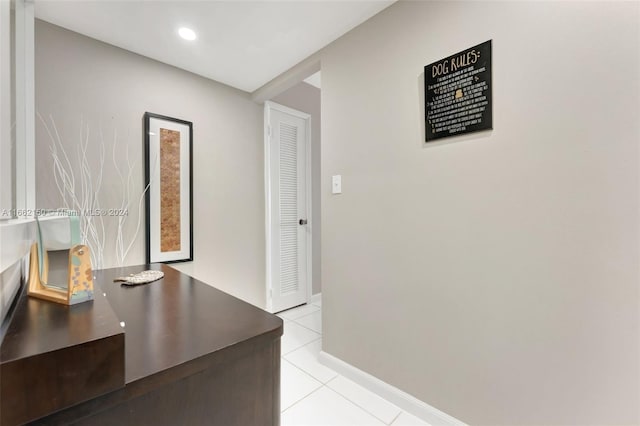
(187, 33)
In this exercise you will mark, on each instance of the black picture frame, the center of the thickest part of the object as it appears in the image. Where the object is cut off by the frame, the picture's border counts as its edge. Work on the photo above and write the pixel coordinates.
(459, 93)
(153, 189)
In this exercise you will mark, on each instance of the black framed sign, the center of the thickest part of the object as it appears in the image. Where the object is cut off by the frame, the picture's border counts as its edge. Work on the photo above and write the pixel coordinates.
(458, 93)
(168, 183)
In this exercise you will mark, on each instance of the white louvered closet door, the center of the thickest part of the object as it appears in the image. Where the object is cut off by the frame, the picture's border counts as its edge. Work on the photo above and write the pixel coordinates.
(288, 210)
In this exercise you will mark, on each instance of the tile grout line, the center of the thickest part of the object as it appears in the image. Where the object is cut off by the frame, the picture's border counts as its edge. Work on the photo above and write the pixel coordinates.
(292, 319)
(305, 397)
(395, 418)
(358, 405)
(321, 385)
(306, 344)
(282, 357)
(299, 347)
(347, 399)
(337, 393)
(302, 399)
(312, 313)
(325, 384)
(303, 316)
(309, 314)
(304, 326)
(304, 372)
(309, 374)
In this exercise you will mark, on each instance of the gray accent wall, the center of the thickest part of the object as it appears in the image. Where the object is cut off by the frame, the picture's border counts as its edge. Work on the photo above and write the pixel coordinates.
(81, 82)
(493, 275)
(306, 98)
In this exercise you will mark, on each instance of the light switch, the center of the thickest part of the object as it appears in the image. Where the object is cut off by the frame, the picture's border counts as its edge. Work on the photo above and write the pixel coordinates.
(336, 184)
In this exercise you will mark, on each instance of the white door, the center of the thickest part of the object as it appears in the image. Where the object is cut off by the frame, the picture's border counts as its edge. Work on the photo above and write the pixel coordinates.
(288, 207)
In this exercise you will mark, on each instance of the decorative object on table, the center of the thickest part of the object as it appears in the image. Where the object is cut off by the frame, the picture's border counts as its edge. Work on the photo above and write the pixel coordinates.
(143, 277)
(59, 267)
(169, 200)
(458, 97)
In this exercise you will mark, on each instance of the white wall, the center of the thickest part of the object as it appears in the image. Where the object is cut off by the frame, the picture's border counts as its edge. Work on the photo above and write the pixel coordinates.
(7, 94)
(80, 80)
(494, 275)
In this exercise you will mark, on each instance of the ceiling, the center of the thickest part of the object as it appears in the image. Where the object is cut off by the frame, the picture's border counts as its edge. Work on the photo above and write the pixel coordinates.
(243, 44)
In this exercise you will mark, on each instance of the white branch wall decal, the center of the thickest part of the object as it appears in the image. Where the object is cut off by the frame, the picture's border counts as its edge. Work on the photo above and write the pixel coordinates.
(80, 185)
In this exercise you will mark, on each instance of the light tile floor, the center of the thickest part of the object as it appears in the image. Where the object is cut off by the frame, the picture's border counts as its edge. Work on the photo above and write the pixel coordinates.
(312, 394)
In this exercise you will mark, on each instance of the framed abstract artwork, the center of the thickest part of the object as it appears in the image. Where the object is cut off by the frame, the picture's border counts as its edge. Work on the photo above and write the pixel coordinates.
(168, 184)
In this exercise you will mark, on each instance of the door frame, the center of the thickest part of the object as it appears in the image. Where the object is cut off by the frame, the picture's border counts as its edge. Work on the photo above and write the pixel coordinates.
(268, 107)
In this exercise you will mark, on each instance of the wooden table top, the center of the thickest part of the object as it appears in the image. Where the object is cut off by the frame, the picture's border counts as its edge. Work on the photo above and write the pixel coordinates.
(39, 326)
(178, 319)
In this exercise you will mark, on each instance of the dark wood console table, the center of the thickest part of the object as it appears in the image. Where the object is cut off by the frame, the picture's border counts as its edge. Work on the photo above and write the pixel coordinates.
(193, 355)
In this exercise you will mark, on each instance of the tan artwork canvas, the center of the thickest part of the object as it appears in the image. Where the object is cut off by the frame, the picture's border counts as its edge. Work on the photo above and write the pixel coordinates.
(169, 190)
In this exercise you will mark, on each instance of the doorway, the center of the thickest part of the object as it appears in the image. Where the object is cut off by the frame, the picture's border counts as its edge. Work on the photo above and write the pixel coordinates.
(288, 198)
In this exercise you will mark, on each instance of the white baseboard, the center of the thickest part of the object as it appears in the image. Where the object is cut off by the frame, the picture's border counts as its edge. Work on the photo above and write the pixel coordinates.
(315, 298)
(403, 400)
